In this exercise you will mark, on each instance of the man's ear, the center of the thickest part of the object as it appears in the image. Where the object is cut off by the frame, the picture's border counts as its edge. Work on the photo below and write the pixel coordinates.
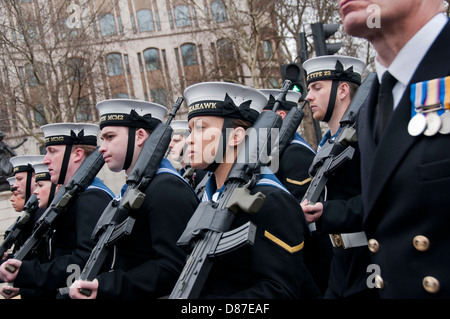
(344, 90)
(78, 155)
(282, 113)
(237, 136)
(140, 137)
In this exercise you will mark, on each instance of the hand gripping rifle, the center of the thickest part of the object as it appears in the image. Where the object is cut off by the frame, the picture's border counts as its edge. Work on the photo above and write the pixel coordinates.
(336, 152)
(207, 234)
(118, 217)
(65, 196)
(15, 229)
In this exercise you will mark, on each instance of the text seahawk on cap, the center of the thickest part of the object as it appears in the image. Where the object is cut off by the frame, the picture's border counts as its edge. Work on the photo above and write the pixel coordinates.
(223, 99)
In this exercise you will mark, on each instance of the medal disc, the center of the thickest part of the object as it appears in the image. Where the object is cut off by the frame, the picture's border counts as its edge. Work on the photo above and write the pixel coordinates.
(445, 118)
(434, 124)
(417, 124)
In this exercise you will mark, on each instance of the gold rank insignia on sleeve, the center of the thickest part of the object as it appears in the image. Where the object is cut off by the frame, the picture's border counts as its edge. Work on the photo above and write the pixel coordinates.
(293, 181)
(282, 244)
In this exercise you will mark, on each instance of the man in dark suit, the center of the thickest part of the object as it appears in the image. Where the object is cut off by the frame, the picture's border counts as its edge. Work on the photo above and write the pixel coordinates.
(405, 162)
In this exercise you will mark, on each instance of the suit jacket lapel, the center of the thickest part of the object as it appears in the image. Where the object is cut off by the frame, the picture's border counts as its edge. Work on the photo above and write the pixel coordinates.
(365, 128)
(396, 141)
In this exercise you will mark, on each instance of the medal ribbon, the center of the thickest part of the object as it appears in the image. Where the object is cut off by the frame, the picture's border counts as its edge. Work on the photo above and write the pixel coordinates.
(426, 94)
(445, 92)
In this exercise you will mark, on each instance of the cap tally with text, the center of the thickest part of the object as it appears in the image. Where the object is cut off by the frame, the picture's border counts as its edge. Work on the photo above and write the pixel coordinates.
(130, 113)
(224, 99)
(70, 134)
(334, 67)
(180, 127)
(290, 101)
(24, 163)
(41, 172)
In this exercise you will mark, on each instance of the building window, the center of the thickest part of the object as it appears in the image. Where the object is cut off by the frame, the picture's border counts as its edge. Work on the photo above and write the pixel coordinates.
(268, 51)
(39, 118)
(107, 25)
(114, 64)
(145, 20)
(83, 112)
(121, 96)
(189, 54)
(75, 69)
(151, 58)
(182, 18)
(32, 80)
(218, 11)
(158, 96)
(225, 49)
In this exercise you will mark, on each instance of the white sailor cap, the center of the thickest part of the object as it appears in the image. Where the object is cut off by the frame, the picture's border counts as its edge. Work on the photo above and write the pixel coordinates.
(131, 113)
(70, 134)
(225, 100)
(41, 172)
(11, 180)
(24, 163)
(334, 67)
(291, 99)
(180, 127)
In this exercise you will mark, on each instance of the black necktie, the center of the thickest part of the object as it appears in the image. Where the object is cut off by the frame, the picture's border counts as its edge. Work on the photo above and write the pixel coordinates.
(385, 105)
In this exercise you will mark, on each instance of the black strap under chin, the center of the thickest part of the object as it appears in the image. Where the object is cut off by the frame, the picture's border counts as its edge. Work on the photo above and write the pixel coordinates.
(130, 147)
(64, 164)
(331, 101)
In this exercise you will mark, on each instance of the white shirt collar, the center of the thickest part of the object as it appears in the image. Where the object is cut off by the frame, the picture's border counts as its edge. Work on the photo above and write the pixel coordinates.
(410, 56)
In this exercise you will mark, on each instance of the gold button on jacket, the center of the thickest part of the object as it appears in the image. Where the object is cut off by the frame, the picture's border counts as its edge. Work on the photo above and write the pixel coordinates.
(373, 245)
(421, 243)
(431, 284)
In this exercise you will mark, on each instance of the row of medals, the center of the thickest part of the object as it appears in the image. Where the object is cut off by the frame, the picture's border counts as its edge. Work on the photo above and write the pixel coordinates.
(428, 121)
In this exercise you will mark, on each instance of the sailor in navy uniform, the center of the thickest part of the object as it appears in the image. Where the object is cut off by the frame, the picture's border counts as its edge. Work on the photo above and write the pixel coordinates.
(16, 200)
(405, 166)
(292, 169)
(219, 114)
(332, 82)
(146, 263)
(70, 242)
(177, 154)
(25, 183)
(45, 190)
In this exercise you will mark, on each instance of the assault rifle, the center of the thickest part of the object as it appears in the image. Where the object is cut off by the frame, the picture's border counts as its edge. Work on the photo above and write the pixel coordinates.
(118, 217)
(82, 178)
(13, 232)
(336, 152)
(207, 234)
(288, 128)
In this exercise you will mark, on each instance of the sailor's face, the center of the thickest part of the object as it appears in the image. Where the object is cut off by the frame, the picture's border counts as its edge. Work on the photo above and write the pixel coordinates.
(21, 183)
(17, 201)
(114, 146)
(204, 140)
(42, 192)
(176, 147)
(318, 97)
(53, 159)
